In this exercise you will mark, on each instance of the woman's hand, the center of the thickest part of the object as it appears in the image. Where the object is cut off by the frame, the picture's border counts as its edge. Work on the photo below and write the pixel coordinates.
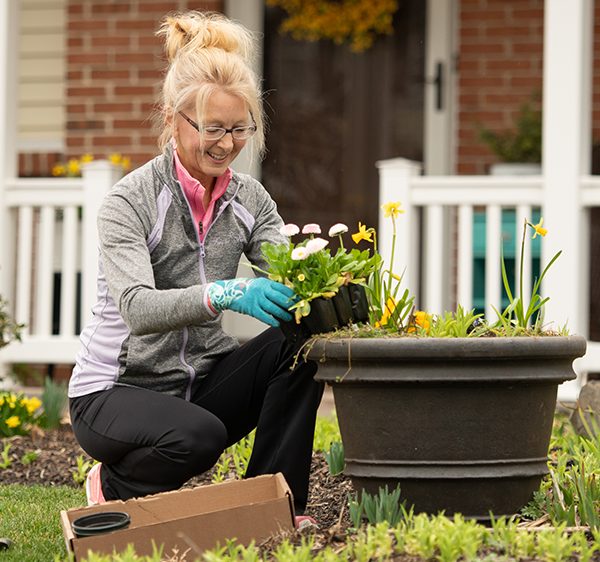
(261, 298)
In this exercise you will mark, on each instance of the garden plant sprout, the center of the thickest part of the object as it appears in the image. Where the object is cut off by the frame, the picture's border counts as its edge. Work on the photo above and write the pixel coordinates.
(516, 314)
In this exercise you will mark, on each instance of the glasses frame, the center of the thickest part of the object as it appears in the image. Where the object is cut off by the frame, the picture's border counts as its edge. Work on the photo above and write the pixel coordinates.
(225, 130)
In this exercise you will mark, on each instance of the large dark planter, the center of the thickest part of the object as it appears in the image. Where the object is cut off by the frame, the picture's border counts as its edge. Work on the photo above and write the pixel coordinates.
(462, 424)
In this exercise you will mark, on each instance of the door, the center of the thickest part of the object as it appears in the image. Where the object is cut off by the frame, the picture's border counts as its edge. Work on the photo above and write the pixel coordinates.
(333, 114)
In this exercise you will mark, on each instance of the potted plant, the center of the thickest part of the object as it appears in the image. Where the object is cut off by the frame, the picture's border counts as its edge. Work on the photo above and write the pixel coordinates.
(329, 287)
(9, 329)
(519, 149)
(456, 410)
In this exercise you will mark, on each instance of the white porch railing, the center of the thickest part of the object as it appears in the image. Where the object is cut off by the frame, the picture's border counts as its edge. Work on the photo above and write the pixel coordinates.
(434, 248)
(51, 246)
(51, 235)
(51, 226)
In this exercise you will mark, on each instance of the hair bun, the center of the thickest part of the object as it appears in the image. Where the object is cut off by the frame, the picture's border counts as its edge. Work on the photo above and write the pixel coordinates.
(189, 31)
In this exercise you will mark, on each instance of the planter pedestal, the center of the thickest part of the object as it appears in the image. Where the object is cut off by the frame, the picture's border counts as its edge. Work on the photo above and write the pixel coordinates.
(462, 424)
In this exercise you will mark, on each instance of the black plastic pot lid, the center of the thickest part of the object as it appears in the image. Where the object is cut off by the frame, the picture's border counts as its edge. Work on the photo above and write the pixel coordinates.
(99, 523)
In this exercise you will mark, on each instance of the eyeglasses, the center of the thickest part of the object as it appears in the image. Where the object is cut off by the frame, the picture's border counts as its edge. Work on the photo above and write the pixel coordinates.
(217, 133)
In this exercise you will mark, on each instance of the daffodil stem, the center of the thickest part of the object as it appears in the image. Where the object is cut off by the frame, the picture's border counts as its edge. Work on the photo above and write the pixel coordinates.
(521, 267)
(389, 286)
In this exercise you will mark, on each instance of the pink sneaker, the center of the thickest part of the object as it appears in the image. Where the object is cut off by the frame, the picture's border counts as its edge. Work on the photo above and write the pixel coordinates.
(93, 486)
(303, 521)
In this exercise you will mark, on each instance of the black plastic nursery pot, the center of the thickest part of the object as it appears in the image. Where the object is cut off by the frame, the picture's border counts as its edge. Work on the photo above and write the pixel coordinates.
(321, 319)
(461, 424)
(348, 305)
(359, 303)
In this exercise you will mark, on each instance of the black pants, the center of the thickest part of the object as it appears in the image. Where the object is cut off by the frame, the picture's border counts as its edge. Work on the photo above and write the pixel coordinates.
(150, 442)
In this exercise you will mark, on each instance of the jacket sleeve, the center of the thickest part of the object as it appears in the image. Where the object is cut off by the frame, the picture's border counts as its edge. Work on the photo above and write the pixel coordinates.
(127, 267)
(267, 226)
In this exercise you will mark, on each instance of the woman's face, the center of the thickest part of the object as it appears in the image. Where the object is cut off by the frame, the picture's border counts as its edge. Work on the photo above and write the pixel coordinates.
(206, 160)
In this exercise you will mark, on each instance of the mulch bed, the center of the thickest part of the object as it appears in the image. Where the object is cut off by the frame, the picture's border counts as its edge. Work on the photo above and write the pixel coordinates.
(56, 462)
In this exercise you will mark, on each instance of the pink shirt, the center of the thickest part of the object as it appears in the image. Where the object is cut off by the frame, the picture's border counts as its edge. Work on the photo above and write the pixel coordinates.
(194, 193)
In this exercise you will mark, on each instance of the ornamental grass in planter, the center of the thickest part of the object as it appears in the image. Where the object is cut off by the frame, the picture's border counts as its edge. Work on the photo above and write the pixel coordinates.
(454, 408)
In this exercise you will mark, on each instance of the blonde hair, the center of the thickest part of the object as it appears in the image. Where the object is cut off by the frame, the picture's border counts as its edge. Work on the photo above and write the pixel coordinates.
(206, 52)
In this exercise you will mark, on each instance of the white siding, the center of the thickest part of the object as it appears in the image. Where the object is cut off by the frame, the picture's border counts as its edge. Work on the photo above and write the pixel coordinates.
(42, 51)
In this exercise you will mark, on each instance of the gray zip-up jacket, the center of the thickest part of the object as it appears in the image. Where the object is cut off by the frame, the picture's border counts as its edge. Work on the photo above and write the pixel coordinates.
(151, 326)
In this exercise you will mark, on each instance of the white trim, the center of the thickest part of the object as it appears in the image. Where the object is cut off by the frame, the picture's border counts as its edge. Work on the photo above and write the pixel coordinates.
(9, 12)
(439, 124)
(25, 145)
(566, 148)
(249, 13)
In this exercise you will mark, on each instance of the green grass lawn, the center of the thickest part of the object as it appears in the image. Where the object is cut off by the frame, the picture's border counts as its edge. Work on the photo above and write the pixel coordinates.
(30, 518)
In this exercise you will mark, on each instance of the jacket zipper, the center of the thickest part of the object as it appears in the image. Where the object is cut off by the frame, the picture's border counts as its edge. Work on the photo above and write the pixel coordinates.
(200, 236)
(202, 251)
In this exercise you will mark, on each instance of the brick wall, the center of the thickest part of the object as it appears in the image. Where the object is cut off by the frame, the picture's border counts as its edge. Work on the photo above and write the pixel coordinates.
(114, 67)
(37, 164)
(499, 68)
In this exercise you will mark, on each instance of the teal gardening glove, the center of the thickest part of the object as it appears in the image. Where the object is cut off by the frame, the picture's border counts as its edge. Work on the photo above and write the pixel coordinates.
(261, 298)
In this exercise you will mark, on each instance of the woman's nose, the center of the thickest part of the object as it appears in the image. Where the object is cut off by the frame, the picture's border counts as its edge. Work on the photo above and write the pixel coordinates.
(226, 141)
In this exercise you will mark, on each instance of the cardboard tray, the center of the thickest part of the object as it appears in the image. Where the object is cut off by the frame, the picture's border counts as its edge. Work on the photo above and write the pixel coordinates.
(197, 518)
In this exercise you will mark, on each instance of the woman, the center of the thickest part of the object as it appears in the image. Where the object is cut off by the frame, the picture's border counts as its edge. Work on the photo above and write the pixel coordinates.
(159, 390)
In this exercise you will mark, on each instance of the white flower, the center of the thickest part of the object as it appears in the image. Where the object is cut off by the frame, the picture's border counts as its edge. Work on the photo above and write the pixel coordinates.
(315, 245)
(289, 229)
(311, 228)
(338, 229)
(299, 253)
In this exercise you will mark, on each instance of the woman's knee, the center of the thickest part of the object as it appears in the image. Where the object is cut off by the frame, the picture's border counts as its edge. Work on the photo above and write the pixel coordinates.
(203, 443)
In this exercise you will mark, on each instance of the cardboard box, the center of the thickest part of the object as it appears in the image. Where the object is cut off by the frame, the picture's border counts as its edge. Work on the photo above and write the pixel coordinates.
(251, 509)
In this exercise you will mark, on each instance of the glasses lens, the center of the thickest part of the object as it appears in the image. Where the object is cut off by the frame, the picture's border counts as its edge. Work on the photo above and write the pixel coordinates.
(213, 133)
(243, 133)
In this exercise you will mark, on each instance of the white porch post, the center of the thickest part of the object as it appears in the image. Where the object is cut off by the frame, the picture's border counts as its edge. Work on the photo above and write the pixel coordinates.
(8, 133)
(394, 185)
(566, 155)
(98, 177)
(249, 13)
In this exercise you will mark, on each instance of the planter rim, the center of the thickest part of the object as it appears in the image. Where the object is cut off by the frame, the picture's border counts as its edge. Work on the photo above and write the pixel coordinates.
(382, 349)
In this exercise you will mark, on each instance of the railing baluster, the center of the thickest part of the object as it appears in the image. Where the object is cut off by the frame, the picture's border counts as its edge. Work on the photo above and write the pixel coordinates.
(434, 259)
(24, 259)
(44, 277)
(69, 255)
(493, 275)
(465, 256)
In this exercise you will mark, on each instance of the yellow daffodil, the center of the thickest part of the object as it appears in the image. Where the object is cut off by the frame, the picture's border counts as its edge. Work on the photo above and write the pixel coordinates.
(126, 163)
(13, 421)
(390, 306)
(423, 320)
(392, 209)
(363, 233)
(115, 158)
(32, 404)
(58, 170)
(86, 158)
(538, 229)
(73, 167)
